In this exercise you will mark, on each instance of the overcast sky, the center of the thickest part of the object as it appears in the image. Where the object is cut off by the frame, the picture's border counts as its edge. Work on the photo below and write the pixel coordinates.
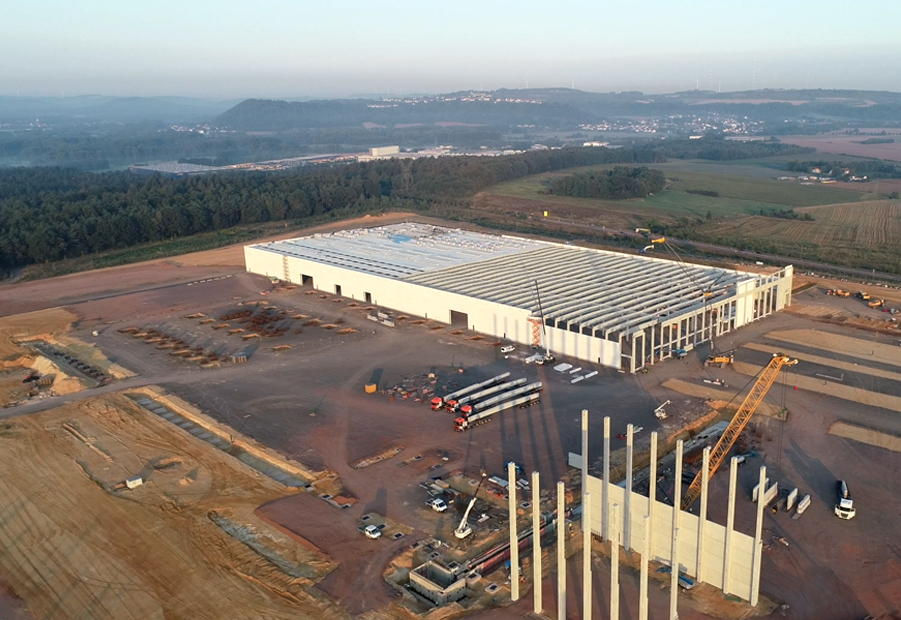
(303, 48)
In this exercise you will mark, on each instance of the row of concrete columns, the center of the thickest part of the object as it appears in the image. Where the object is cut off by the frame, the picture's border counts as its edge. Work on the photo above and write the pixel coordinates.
(616, 528)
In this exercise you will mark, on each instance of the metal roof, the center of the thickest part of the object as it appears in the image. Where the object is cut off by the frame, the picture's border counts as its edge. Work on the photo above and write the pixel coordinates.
(595, 289)
(586, 290)
(400, 250)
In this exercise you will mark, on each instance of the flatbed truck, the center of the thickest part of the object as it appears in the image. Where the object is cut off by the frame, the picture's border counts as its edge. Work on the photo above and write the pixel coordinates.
(439, 401)
(463, 423)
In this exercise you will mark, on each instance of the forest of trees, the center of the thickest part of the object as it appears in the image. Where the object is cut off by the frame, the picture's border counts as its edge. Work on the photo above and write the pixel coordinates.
(872, 168)
(618, 183)
(48, 214)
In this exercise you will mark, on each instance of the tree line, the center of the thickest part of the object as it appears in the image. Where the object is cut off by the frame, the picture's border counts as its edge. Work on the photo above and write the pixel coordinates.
(618, 183)
(49, 214)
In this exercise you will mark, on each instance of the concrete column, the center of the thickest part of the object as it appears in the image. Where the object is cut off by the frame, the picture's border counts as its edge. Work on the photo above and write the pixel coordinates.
(614, 562)
(604, 496)
(584, 462)
(674, 580)
(514, 539)
(627, 504)
(652, 488)
(536, 544)
(674, 560)
(730, 524)
(702, 517)
(561, 551)
(758, 542)
(643, 579)
(586, 559)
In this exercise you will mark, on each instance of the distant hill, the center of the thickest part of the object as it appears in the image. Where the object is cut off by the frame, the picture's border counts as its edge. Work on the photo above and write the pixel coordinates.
(268, 115)
(557, 107)
(116, 109)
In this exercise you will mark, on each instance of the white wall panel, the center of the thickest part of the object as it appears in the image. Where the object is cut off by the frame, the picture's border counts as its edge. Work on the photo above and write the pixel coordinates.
(661, 537)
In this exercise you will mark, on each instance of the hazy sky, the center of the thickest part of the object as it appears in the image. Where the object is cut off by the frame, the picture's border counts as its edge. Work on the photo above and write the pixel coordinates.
(297, 48)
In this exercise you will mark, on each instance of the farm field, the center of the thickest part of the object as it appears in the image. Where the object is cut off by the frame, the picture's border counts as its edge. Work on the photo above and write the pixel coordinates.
(744, 188)
(849, 145)
(874, 224)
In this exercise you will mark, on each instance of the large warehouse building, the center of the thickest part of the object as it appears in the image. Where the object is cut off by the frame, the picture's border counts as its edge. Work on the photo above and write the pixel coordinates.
(613, 309)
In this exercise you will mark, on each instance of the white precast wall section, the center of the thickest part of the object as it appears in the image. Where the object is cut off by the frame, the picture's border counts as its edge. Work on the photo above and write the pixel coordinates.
(742, 545)
(613, 309)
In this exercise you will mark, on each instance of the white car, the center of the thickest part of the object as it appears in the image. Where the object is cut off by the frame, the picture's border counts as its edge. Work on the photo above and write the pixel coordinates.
(508, 349)
(372, 532)
(437, 504)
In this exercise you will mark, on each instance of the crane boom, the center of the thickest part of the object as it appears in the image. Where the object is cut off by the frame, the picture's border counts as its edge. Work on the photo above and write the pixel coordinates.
(737, 425)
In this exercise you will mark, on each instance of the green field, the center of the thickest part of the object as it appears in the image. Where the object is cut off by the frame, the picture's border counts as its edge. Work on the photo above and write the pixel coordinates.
(744, 188)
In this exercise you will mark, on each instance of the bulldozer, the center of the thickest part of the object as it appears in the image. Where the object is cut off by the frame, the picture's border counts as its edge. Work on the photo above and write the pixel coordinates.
(720, 359)
(876, 303)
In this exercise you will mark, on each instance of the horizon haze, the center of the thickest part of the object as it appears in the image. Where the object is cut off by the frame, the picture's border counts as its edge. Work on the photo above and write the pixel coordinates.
(280, 49)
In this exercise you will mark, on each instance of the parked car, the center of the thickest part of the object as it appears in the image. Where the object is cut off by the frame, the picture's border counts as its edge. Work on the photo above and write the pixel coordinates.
(372, 532)
(437, 504)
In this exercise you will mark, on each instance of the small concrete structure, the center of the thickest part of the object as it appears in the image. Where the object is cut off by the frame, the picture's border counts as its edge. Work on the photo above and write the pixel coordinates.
(134, 482)
(437, 583)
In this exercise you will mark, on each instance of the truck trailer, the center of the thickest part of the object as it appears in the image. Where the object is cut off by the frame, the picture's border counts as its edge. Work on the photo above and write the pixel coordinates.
(463, 423)
(439, 401)
(471, 399)
(468, 410)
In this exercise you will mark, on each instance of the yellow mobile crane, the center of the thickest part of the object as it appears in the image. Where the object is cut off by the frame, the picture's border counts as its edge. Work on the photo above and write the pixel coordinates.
(737, 425)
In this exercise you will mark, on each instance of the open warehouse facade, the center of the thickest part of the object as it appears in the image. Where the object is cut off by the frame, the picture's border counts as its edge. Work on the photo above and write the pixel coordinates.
(617, 310)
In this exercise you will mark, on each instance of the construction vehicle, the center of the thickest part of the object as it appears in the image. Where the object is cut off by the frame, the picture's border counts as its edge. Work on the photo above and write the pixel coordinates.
(739, 421)
(720, 359)
(646, 249)
(643, 231)
(863, 295)
(470, 409)
(547, 357)
(840, 293)
(463, 423)
(844, 509)
(876, 303)
(658, 239)
(463, 530)
(439, 401)
(660, 412)
(455, 405)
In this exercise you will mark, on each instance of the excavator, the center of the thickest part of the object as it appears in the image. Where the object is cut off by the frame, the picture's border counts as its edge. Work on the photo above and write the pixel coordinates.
(463, 530)
(739, 422)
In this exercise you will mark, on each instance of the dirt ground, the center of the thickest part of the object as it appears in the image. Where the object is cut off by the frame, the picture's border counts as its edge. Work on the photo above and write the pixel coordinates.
(309, 404)
(106, 283)
(52, 322)
(76, 546)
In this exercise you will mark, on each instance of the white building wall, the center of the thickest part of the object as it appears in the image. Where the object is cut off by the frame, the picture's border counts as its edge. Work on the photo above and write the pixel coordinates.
(483, 316)
(661, 537)
(487, 317)
(580, 346)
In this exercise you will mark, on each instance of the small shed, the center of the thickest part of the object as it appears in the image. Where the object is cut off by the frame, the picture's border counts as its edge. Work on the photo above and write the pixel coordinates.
(134, 482)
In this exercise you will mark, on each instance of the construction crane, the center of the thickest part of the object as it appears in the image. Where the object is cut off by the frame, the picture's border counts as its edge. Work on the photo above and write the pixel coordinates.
(463, 530)
(548, 356)
(737, 425)
(706, 293)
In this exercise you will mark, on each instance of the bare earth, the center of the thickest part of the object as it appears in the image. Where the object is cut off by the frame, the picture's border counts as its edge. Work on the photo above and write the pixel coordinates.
(80, 287)
(76, 548)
